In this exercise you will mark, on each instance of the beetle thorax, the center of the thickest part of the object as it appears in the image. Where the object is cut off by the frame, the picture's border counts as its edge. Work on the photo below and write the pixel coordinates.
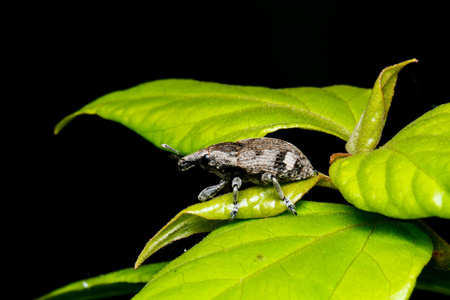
(222, 163)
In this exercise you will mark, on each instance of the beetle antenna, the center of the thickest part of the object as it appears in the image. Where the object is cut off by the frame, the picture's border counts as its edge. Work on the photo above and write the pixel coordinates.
(170, 148)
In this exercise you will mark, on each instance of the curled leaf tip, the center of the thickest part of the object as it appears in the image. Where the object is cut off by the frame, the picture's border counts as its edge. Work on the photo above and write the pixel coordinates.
(367, 132)
(61, 124)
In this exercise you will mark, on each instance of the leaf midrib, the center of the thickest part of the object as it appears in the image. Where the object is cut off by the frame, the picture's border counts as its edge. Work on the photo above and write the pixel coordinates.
(291, 108)
(260, 100)
(299, 250)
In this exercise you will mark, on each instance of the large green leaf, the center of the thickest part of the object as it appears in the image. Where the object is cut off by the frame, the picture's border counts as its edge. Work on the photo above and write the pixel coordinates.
(328, 251)
(190, 115)
(123, 282)
(254, 202)
(409, 177)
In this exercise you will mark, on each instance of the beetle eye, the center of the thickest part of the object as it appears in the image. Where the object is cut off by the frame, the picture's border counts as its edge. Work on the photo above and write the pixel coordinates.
(205, 159)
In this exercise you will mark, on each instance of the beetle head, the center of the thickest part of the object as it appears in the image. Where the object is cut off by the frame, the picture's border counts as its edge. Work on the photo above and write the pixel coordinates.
(200, 157)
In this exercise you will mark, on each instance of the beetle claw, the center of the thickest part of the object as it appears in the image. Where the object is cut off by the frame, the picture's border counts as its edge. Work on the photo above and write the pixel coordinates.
(233, 213)
(290, 205)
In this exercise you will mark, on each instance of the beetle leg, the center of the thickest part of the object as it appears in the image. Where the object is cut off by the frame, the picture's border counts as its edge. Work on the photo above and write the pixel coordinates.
(210, 191)
(236, 184)
(286, 200)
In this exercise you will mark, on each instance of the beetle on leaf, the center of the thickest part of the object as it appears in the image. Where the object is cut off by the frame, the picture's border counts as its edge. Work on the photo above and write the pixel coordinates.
(258, 160)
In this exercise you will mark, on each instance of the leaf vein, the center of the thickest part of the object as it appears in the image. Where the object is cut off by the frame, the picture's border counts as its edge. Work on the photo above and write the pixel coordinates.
(351, 263)
(296, 251)
(415, 164)
(343, 101)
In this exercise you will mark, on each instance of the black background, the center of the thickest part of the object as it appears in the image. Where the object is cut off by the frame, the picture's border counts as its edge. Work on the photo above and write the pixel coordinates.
(85, 202)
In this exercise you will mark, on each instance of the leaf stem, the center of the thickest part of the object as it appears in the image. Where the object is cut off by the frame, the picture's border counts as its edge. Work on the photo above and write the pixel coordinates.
(325, 181)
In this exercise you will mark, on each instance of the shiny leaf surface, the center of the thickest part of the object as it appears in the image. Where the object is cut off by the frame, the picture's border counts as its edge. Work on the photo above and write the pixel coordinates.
(328, 251)
(190, 115)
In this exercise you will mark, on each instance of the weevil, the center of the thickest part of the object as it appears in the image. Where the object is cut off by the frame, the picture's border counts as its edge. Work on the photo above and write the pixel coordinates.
(257, 160)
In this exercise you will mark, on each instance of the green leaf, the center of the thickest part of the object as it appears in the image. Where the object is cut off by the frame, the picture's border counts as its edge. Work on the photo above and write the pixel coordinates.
(367, 133)
(328, 251)
(123, 282)
(190, 115)
(254, 202)
(409, 177)
(434, 281)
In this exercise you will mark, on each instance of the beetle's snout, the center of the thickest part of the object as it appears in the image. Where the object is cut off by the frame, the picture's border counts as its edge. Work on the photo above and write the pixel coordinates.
(183, 165)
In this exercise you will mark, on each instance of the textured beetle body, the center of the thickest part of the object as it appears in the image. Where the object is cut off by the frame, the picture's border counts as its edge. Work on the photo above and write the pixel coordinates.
(250, 158)
(279, 158)
(257, 160)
